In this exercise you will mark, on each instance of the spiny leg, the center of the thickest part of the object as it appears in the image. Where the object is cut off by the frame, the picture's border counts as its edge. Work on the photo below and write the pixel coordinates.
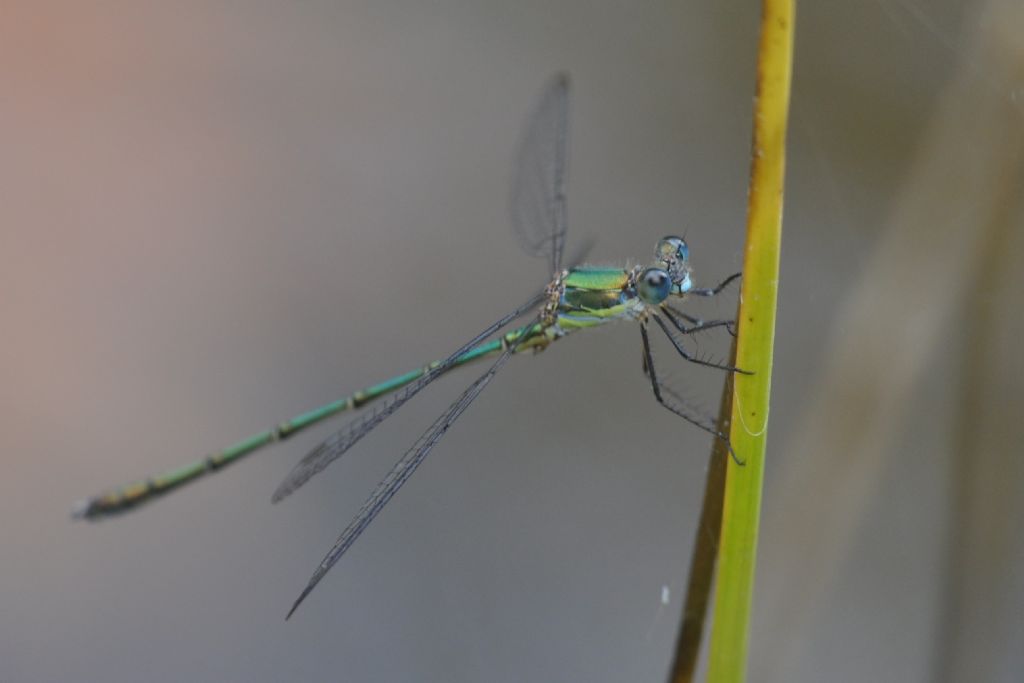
(711, 291)
(689, 356)
(698, 421)
(693, 320)
(696, 324)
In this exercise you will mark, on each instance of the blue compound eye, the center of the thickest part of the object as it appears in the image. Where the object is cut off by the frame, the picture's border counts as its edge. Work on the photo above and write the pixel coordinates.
(654, 285)
(671, 250)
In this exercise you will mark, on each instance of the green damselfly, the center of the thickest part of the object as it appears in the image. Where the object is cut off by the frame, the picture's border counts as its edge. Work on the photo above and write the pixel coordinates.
(576, 298)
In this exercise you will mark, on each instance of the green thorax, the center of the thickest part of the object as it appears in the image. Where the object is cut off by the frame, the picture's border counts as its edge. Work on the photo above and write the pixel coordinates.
(595, 295)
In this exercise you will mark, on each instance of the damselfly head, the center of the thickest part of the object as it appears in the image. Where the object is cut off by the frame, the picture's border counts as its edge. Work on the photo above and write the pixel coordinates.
(674, 255)
(653, 286)
(672, 249)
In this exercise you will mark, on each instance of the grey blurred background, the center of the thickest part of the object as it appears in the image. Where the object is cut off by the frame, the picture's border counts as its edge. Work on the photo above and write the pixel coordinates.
(217, 215)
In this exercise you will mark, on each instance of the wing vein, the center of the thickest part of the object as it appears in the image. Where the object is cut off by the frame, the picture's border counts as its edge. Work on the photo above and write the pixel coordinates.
(338, 443)
(538, 203)
(400, 473)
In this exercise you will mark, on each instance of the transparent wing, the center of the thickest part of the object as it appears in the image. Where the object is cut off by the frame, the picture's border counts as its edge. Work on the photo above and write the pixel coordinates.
(337, 444)
(538, 189)
(399, 474)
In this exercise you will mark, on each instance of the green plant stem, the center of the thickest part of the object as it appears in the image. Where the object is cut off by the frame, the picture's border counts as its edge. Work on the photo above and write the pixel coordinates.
(756, 318)
(705, 546)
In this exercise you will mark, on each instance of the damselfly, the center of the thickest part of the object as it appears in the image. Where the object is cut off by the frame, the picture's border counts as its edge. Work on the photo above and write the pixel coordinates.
(576, 298)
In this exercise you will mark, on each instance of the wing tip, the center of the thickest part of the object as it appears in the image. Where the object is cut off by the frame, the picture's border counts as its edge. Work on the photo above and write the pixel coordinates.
(292, 483)
(280, 493)
(302, 596)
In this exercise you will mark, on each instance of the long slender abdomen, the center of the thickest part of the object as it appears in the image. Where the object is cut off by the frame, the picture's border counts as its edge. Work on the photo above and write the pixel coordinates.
(132, 495)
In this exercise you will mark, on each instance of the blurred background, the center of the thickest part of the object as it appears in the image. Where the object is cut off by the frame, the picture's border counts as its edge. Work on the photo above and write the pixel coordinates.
(218, 215)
